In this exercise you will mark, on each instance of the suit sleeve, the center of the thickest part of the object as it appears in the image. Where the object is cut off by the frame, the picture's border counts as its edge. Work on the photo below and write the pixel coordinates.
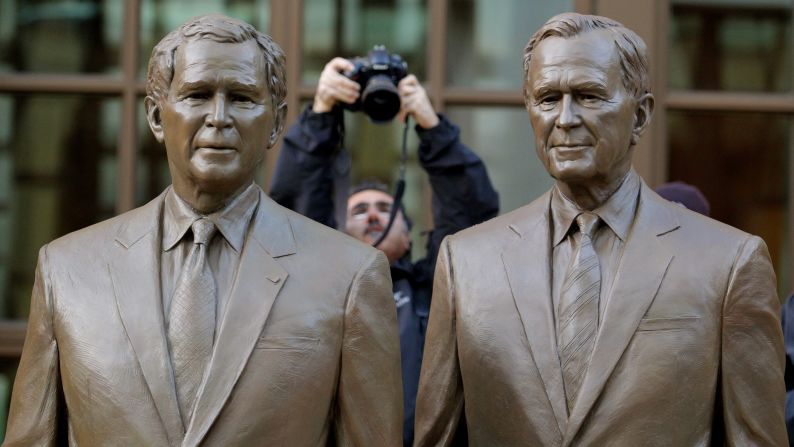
(439, 404)
(369, 398)
(33, 417)
(753, 390)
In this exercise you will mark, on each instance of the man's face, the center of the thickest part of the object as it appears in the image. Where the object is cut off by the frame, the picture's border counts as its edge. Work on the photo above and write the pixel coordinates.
(217, 119)
(585, 121)
(367, 217)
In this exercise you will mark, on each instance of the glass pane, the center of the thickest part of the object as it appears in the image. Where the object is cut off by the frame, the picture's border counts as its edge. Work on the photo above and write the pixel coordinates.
(350, 28)
(8, 370)
(740, 46)
(60, 36)
(159, 17)
(503, 138)
(485, 43)
(152, 169)
(740, 161)
(59, 154)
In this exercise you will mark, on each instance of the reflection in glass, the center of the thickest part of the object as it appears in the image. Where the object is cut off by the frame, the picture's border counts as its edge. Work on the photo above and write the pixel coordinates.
(60, 155)
(503, 138)
(740, 162)
(350, 28)
(485, 43)
(60, 36)
(159, 17)
(731, 46)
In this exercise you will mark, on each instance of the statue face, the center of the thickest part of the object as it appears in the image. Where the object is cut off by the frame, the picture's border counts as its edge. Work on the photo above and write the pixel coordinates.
(367, 217)
(585, 121)
(217, 118)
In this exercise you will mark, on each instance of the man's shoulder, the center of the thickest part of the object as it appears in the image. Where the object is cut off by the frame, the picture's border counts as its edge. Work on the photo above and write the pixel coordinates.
(97, 237)
(311, 236)
(516, 222)
(698, 230)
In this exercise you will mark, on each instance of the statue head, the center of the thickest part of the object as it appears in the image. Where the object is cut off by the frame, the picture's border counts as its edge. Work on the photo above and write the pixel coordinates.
(216, 97)
(586, 88)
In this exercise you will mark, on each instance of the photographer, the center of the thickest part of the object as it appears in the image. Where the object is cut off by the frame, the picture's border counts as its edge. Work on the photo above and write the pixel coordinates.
(304, 180)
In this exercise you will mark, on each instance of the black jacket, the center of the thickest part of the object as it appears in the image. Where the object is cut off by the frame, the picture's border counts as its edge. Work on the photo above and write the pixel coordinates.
(463, 196)
(787, 319)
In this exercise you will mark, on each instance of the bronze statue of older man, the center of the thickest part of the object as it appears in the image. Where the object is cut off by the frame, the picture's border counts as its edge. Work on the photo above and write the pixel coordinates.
(600, 314)
(210, 315)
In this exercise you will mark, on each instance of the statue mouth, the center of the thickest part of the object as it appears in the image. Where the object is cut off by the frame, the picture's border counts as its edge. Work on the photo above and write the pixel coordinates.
(216, 149)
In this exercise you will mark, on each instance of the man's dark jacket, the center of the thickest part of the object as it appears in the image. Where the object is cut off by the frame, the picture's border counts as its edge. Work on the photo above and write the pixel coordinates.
(462, 196)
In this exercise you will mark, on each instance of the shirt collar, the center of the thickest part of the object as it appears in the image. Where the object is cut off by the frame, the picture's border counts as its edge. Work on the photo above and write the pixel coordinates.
(617, 212)
(232, 221)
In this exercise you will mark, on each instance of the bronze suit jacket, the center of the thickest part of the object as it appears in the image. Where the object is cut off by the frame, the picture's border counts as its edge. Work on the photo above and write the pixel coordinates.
(307, 350)
(689, 350)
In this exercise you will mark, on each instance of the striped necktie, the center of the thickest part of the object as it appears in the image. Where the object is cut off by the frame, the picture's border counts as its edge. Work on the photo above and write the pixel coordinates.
(191, 323)
(577, 324)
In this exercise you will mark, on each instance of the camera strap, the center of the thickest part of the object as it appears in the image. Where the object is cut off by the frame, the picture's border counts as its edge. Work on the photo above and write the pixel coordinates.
(400, 188)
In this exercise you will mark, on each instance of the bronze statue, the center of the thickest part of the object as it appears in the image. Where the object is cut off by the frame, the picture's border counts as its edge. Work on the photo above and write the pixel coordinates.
(210, 315)
(600, 313)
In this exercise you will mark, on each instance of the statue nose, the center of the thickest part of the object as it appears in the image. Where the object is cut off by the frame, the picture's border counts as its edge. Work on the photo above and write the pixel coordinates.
(568, 116)
(218, 117)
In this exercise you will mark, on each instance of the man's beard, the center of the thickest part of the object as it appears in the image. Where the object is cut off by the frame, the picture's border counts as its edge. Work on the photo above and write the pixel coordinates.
(374, 230)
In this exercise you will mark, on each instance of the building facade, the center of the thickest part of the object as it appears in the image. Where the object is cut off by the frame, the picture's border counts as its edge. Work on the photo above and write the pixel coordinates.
(75, 148)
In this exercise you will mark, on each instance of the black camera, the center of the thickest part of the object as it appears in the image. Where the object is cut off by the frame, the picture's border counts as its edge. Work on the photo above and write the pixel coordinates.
(378, 75)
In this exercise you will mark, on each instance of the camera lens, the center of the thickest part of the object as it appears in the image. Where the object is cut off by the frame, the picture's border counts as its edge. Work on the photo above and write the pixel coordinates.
(380, 100)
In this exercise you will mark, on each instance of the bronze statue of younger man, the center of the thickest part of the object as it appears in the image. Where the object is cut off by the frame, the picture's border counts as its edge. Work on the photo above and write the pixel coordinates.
(600, 314)
(210, 315)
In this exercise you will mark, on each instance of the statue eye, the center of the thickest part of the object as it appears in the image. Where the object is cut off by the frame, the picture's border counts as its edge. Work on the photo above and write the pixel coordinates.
(549, 99)
(589, 97)
(240, 98)
(198, 96)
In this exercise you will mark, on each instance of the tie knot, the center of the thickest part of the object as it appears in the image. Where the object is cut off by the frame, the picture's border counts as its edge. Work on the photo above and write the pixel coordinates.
(588, 222)
(203, 230)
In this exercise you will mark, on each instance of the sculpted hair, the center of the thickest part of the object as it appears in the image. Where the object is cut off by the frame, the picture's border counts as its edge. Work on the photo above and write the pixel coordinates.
(220, 29)
(631, 48)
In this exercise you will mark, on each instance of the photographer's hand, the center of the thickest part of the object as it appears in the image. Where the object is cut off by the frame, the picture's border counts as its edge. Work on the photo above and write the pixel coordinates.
(416, 103)
(333, 86)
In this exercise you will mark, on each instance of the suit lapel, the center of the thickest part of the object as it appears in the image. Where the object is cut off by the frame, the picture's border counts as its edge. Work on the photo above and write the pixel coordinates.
(642, 268)
(528, 271)
(135, 272)
(259, 280)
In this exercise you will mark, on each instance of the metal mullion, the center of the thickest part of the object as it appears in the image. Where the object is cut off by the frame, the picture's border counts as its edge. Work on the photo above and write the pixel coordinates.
(436, 57)
(55, 83)
(466, 96)
(658, 136)
(730, 101)
(128, 138)
(584, 6)
(12, 338)
(790, 203)
(436, 63)
(286, 27)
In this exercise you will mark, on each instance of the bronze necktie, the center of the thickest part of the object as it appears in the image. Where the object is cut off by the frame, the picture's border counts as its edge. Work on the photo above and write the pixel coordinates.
(578, 308)
(191, 323)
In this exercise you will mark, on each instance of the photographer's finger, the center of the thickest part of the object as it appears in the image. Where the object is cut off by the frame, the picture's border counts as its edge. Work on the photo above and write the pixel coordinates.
(409, 80)
(402, 114)
(345, 93)
(345, 83)
(339, 65)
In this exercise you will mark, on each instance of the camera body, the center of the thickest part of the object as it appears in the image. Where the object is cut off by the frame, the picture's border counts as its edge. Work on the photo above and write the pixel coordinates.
(378, 75)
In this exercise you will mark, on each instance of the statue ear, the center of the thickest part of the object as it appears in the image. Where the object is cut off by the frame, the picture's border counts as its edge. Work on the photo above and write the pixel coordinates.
(642, 116)
(154, 119)
(278, 124)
